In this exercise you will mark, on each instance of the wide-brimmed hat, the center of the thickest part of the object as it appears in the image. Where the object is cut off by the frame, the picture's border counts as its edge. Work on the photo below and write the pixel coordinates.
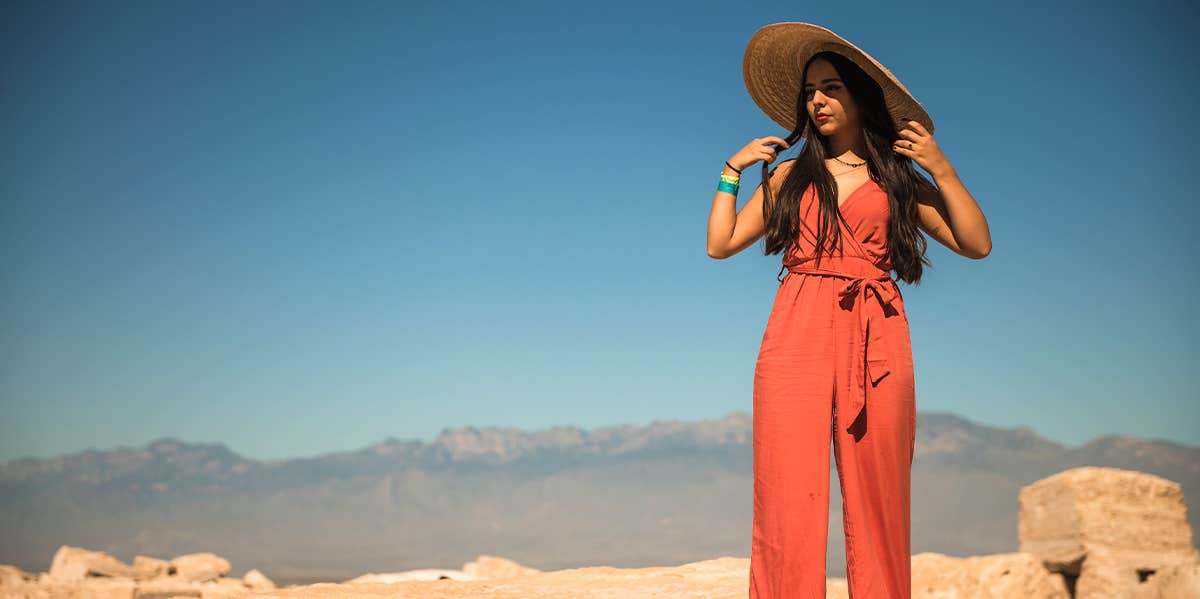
(775, 59)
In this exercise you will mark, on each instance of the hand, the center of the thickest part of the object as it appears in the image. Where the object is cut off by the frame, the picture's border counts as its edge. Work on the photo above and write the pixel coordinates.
(917, 143)
(758, 150)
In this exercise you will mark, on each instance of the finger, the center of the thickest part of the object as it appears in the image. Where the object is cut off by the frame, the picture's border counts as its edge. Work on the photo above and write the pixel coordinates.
(918, 127)
(902, 150)
(910, 134)
(778, 140)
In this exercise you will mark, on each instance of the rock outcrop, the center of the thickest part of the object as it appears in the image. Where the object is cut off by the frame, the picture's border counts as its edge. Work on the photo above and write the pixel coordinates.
(78, 573)
(1108, 532)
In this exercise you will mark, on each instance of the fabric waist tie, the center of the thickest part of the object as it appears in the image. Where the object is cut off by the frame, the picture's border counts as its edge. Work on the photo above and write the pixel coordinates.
(870, 352)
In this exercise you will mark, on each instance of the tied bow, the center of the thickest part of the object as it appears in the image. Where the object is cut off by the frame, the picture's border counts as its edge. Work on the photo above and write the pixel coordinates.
(873, 362)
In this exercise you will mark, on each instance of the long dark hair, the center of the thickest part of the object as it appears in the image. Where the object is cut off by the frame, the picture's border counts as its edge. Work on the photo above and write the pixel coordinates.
(895, 172)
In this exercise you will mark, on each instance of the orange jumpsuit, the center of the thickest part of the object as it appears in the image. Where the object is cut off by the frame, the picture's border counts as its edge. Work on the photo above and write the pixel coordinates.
(835, 360)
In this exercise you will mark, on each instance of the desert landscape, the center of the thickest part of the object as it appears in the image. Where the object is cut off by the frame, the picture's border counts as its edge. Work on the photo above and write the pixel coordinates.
(1085, 533)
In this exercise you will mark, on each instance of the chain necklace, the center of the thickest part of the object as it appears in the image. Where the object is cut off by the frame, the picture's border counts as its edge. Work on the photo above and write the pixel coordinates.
(852, 166)
(848, 164)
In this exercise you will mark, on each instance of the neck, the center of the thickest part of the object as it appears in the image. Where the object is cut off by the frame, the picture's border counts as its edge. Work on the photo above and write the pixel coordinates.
(848, 146)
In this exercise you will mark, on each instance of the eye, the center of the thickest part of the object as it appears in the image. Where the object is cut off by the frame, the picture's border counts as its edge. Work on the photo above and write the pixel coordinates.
(808, 93)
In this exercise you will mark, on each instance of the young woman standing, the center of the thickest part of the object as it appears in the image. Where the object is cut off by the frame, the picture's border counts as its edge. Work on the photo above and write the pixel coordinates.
(835, 359)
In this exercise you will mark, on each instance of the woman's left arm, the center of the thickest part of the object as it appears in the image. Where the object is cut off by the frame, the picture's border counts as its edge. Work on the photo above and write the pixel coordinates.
(948, 214)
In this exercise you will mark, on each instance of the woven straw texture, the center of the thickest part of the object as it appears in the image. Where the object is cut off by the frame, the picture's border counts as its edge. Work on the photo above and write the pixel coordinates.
(775, 57)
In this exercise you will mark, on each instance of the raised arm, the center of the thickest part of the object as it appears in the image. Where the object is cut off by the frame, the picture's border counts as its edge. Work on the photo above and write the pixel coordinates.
(730, 230)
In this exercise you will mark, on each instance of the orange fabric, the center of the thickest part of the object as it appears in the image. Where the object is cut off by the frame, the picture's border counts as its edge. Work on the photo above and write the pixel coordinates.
(835, 361)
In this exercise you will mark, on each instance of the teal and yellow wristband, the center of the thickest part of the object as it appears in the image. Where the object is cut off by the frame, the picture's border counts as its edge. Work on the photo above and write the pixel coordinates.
(729, 184)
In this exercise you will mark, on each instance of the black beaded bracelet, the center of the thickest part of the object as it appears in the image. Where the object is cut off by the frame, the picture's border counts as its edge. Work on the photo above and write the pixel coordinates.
(731, 166)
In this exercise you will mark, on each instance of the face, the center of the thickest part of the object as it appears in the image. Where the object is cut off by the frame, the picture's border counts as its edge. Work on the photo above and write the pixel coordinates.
(825, 94)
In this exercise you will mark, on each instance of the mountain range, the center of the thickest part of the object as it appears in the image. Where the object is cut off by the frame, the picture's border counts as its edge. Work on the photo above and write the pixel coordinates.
(660, 494)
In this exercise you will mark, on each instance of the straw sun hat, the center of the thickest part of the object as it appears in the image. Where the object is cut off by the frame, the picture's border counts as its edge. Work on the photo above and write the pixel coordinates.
(774, 63)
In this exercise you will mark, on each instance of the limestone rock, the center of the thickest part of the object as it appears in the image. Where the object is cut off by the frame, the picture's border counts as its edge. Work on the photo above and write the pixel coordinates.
(490, 566)
(257, 580)
(997, 576)
(1106, 530)
(722, 578)
(200, 567)
(12, 576)
(76, 563)
(100, 587)
(78, 573)
(1180, 581)
(422, 574)
(15, 582)
(150, 567)
(227, 588)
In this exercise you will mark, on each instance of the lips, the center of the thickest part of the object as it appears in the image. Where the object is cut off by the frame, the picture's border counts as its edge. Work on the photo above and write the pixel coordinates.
(821, 117)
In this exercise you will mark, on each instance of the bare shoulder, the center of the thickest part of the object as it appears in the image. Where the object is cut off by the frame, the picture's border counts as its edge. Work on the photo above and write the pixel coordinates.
(779, 172)
(783, 167)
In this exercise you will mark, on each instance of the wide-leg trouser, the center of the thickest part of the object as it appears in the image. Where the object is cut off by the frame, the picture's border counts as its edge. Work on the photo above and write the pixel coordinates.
(802, 375)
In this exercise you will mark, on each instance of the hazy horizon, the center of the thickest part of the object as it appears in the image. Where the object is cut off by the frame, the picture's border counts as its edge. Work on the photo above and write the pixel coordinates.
(435, 436)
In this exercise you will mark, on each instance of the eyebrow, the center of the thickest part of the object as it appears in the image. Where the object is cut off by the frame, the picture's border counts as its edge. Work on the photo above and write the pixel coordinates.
(808, 85)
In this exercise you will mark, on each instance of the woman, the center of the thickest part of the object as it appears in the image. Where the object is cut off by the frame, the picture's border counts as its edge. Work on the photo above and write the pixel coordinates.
(835, 359)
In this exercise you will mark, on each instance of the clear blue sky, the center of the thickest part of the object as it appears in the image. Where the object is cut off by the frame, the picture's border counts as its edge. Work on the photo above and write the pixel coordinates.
(302, 227)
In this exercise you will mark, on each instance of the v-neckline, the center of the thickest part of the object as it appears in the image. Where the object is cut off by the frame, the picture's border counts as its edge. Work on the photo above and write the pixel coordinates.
(853, 194)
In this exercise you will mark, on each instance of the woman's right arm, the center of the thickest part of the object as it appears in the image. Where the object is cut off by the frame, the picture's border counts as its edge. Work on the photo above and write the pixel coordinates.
(729, 230)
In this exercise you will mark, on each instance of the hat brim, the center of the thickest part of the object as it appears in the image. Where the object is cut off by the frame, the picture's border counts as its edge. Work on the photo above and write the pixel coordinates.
(775, 58)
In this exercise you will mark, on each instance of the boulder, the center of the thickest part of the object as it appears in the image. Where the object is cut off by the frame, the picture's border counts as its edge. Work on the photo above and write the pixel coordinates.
(257, 580)
(996, 576)
(200, 567)
(151, 567)
(76, 563)
(12, 576)
(1106, 530)
(490, 566)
